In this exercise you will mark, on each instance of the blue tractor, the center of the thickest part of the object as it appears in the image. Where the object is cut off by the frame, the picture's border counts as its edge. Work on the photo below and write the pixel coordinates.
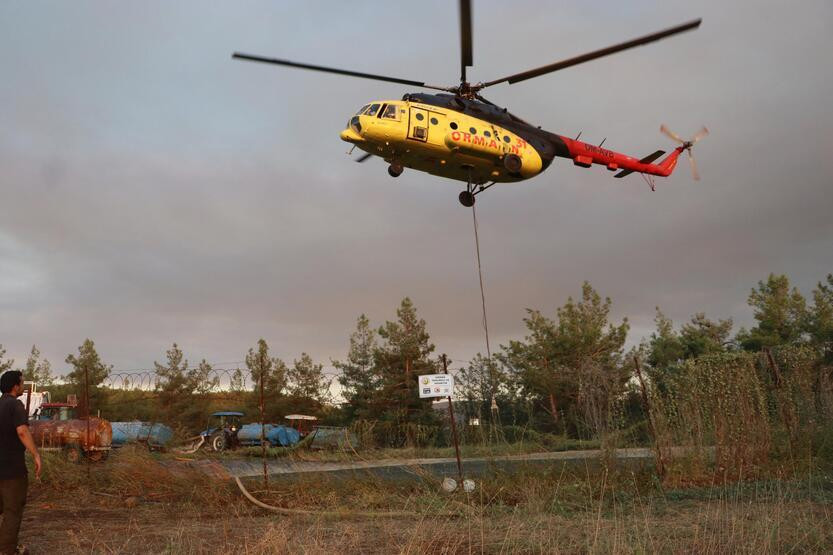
(221, 432)
(225, 431)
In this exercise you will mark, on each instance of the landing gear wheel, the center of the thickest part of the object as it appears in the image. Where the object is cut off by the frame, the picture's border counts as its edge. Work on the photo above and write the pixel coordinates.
(513, 163)
(395, 170)
(467, 199)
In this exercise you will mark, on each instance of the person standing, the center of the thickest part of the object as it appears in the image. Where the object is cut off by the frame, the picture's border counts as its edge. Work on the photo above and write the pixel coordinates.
(14, 440)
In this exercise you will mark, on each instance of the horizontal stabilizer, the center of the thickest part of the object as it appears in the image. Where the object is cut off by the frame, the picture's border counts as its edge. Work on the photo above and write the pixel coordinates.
(647, 160)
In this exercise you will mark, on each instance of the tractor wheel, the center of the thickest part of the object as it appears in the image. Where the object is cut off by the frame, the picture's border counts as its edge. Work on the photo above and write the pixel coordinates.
(218, 441)
(97, 456)
(72, 454)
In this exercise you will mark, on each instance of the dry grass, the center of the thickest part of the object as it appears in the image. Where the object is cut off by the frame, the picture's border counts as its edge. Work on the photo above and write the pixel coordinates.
(137, 504)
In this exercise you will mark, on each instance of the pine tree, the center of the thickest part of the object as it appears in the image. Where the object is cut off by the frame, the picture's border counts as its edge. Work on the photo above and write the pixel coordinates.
(8, 363)
(359, 377)
(203, 379)
(404, 355)
(703, 336)
(171, 378)
(820, 319)
(306, 379)
(579, 355)
(88, 368)
(780, 313)
(182, 390)
(37, 370)
(273, 371)
(477, 382)
(237, 382)
(665, 348)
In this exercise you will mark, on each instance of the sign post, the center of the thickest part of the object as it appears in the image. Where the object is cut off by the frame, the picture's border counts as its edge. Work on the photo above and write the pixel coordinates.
(442, 385)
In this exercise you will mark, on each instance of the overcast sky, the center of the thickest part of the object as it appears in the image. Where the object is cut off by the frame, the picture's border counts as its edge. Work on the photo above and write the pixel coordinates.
(153, 190)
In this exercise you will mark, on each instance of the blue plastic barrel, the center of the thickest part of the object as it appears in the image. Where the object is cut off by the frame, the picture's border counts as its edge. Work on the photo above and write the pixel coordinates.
(154, 434)
(249, 434)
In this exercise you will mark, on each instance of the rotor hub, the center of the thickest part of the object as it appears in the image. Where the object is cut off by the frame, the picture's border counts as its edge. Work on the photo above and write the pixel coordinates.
(466, 90)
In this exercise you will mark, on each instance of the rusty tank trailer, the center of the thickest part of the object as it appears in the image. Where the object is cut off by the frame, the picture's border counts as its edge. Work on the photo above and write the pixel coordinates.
(76, 437)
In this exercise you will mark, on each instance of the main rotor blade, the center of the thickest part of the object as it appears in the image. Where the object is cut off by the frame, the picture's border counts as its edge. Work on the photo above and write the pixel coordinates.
(279, 62)
(465, 38)
(518, 77)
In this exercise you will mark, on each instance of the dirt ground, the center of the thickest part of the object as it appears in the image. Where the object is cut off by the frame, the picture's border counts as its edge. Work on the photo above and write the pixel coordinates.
(103, 524)
(137, 502)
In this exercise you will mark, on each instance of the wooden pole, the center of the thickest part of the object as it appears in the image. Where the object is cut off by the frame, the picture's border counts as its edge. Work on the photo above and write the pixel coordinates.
(263, 424)
(647, 405)
(87, 410)
(776, 374)
(454, 427)
(28, 397)
(780, 394)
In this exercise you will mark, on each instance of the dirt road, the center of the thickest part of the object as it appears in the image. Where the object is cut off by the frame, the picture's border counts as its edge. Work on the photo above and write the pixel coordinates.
(476, 465)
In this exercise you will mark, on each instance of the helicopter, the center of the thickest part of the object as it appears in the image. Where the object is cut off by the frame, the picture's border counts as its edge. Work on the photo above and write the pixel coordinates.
(459, 134)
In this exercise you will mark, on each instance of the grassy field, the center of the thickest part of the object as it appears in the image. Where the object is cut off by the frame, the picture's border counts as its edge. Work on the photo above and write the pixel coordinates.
(140, 503)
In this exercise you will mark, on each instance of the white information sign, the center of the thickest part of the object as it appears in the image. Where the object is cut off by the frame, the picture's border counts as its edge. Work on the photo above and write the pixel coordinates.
(436, 385)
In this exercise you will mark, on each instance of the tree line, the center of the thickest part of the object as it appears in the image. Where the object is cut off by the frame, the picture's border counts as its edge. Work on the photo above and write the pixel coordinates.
(570, 375)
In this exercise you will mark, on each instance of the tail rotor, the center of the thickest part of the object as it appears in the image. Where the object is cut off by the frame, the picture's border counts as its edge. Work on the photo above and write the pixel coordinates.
(687, 146)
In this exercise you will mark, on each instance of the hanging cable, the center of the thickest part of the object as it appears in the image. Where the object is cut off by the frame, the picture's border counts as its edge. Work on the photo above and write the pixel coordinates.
(493, 405)
(480, 275)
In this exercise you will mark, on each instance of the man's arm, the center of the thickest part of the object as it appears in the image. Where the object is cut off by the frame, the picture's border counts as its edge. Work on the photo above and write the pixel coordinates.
(26, 439)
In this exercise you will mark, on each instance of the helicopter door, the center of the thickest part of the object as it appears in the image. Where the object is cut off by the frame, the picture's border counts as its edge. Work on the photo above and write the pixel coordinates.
(418, 125)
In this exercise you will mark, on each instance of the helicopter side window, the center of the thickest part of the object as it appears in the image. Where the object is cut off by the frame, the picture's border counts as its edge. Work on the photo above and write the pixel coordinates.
(372, 111)
(453, 125)
(487, 134)
(506, 139)
(390, 112)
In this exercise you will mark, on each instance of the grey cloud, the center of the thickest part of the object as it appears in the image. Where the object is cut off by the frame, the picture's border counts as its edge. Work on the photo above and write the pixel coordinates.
(155, 191)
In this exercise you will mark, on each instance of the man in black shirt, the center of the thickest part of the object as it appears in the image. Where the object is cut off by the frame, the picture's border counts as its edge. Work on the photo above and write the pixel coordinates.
(14, 440)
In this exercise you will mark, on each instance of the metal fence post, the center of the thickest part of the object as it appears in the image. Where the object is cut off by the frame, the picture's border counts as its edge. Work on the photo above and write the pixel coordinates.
(263, 424)
(454, 427)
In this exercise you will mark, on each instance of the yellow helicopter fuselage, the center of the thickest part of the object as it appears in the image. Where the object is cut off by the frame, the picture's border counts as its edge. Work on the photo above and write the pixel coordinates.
(442, 142)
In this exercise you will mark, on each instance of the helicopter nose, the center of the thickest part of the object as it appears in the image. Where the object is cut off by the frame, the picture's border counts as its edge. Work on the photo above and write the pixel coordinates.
(351, 136)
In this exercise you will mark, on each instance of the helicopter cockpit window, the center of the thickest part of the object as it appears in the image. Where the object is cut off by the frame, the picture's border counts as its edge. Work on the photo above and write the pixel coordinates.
(360, 112)
(390, 112)
(373, 109)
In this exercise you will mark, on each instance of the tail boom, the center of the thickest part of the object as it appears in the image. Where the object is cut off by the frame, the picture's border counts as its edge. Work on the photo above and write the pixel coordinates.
(585, 155)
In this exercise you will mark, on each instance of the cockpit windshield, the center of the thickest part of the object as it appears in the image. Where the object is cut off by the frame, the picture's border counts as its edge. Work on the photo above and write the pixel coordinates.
(373, 109)
(360, 112)
(390, 112)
